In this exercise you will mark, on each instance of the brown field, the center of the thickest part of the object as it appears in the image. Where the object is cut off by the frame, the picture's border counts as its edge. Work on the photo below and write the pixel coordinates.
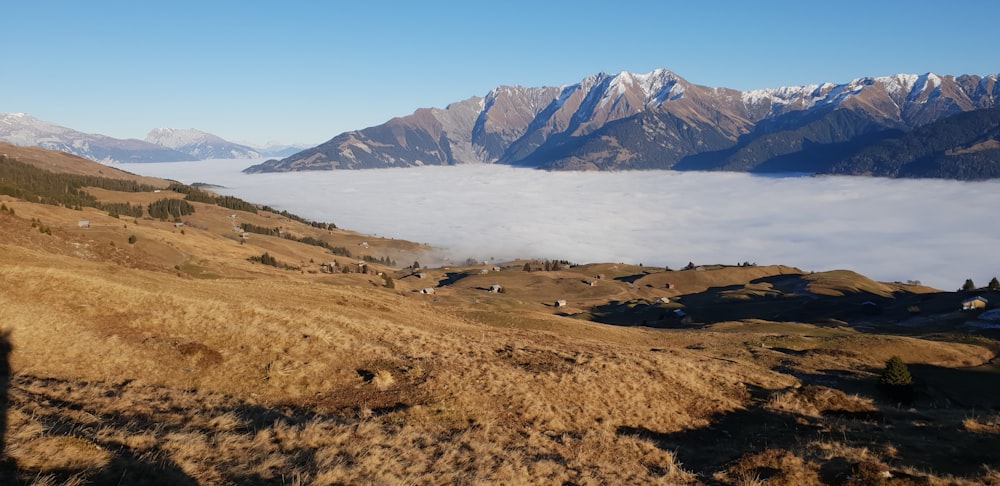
(175, 360)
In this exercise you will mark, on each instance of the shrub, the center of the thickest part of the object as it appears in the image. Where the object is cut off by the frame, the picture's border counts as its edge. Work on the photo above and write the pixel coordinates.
(896, 379)
(131, 240)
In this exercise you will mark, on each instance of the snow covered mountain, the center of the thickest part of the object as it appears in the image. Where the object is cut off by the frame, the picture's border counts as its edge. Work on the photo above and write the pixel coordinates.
(653, 120)
(26, 130)
(161, 145)
(200, 145)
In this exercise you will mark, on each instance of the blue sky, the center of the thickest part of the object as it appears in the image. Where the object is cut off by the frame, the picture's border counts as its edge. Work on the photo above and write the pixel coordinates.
(302, 72)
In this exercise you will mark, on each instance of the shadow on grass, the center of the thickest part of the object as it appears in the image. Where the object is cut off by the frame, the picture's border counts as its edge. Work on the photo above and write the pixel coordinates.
(631, 278)
(451, 278)
(973, 388)
(45, 400)
(8, 466)
(126, 465)
(925, 436)
(785, 300)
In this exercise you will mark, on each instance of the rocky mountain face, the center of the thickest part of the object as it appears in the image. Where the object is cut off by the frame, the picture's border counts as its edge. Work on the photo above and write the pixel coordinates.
(25, 130)
(963, 146)
(656, 120)
(200, 145)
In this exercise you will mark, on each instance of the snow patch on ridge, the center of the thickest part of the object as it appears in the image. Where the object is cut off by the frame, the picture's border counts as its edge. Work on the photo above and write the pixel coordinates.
(898, 83)
(808, 94)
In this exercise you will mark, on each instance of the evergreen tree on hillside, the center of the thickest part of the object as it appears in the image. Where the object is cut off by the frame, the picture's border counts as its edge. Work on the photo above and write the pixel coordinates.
(968, 286)
(896, 380)
(994, 284)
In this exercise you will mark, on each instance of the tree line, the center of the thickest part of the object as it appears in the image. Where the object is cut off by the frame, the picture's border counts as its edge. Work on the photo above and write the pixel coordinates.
(267, 259)
(194, 194)
(33, 184)
(300, 219)
(307, 240)
(166, 208)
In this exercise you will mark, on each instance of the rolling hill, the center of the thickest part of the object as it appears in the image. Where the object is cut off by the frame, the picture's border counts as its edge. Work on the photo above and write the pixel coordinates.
(148, 350)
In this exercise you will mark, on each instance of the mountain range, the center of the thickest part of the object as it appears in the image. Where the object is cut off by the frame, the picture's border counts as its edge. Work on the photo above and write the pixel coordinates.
(659, 120)
(199, 144)
(160, 145)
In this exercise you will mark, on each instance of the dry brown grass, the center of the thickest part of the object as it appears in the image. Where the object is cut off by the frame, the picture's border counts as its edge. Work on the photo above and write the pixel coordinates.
(986, 424)
(137, 372)
(815, 401)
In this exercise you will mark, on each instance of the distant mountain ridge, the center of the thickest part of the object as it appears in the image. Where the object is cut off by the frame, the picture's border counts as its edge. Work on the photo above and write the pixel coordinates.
(200, 145)
(656, 120)
(161, 144)
(25, 130)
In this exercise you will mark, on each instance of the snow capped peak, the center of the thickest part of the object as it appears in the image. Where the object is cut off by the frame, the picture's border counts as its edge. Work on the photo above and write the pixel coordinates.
(199, 144)
(655, 86)
(174, 137)
(785, 95)
(925, 85)
(898, 83)
(24, 129)
(11, 118)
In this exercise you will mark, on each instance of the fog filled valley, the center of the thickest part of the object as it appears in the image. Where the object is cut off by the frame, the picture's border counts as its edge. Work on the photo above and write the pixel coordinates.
(490, 325)
(937, 232)
(521, 243)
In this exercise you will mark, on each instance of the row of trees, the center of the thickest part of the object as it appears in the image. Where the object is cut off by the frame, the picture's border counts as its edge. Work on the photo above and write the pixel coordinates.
(294, 217)
(267, 259)
(166, 208)
(380, 260)
(122, 209)
(970, 286)
(308, 240)
(194, 194)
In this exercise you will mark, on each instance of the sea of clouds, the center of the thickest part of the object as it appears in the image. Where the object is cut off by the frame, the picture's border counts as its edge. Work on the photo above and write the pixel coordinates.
(935, 231)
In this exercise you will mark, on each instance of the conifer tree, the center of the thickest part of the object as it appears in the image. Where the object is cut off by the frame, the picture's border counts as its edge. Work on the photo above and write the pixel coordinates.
(896, 373)
(896, 380)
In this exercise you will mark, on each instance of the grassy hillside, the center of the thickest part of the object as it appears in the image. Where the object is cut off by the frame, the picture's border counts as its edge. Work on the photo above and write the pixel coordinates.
(139, 351)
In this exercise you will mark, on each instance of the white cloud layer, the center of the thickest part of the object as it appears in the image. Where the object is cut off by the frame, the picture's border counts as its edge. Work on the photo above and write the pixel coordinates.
(938, 232)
